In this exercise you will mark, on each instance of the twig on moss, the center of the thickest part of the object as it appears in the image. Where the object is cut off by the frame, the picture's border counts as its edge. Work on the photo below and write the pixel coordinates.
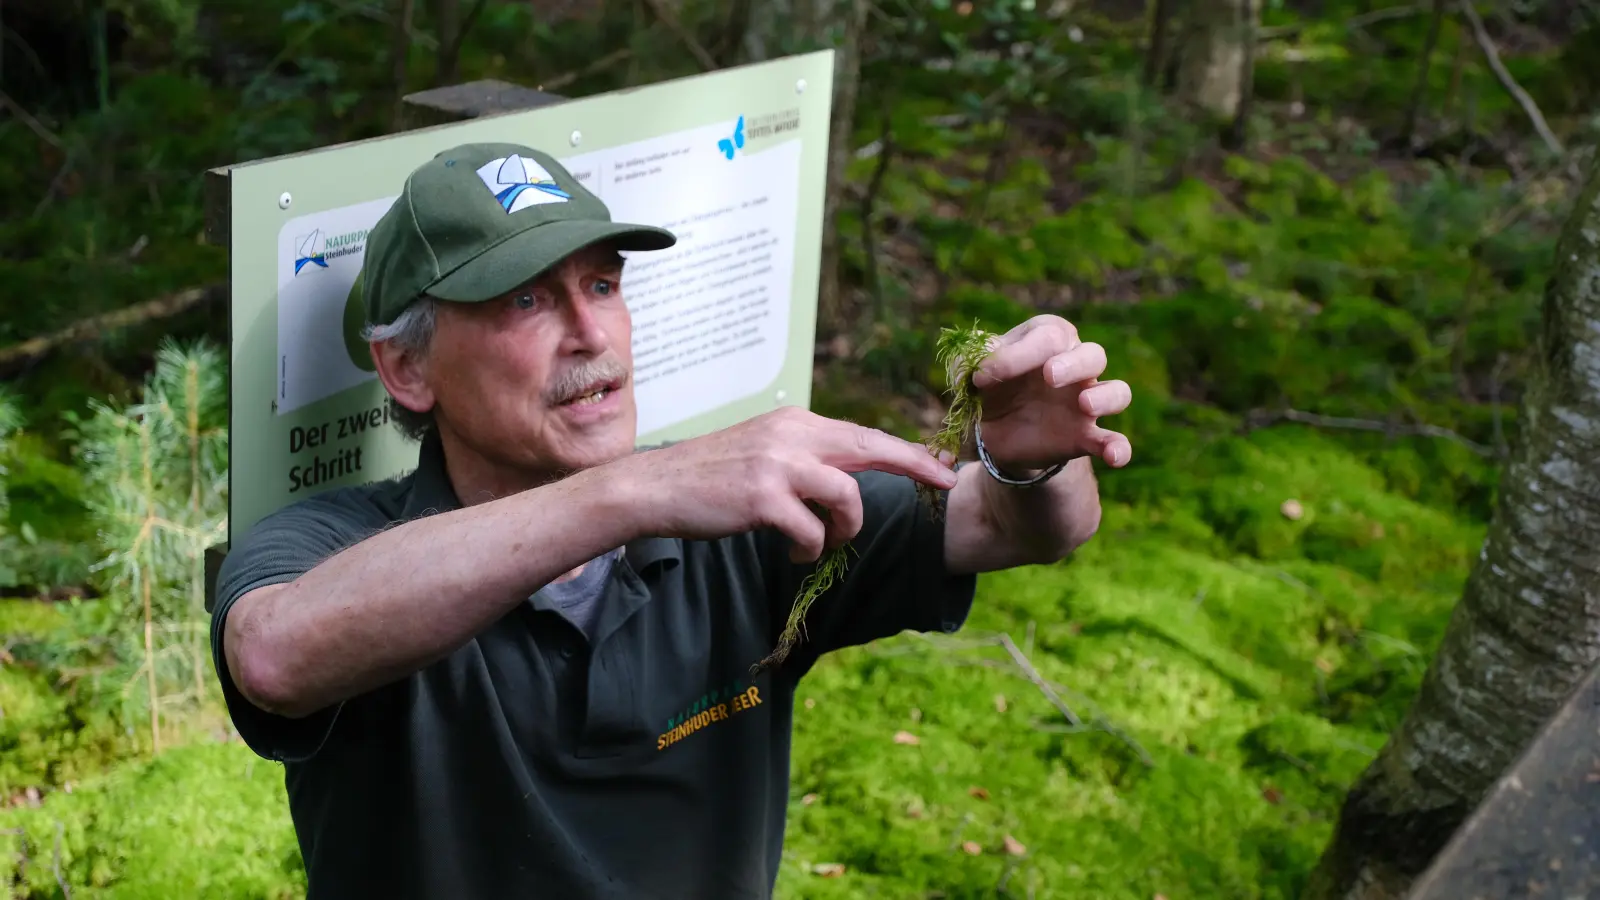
(1392, 429)
(55, 865)
(1019, 666)
(1033, 675)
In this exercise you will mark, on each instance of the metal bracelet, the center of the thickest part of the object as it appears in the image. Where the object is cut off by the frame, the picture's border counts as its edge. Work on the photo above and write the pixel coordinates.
(994, 471)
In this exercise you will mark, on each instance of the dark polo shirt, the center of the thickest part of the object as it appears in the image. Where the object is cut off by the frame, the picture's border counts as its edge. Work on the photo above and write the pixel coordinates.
(535, 762)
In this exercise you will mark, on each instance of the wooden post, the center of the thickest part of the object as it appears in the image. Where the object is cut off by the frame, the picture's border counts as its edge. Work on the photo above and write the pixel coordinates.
(1537, 832)
(473, 100)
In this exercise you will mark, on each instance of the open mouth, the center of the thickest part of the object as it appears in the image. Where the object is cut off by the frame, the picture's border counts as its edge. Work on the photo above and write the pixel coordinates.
(593, 394)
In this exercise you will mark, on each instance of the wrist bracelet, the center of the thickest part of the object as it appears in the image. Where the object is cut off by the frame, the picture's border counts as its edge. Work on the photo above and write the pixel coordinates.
(994, 472)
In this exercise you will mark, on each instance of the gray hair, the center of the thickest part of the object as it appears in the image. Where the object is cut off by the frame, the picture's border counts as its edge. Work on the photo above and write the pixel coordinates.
(411, 332)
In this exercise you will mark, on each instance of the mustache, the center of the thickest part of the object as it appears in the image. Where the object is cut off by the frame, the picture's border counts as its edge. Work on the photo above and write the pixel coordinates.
(581, 379)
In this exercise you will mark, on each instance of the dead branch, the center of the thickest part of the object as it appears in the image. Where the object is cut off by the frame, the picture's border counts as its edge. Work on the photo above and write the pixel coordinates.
(55, 864)
(34, 125)
(1350, 24)
(1492, 56)
(869, 204)
(665, 16)
(93, 327)
(1033, 675)
(399, 61)
(1262, 419)
(604, 62)
(1022, 667)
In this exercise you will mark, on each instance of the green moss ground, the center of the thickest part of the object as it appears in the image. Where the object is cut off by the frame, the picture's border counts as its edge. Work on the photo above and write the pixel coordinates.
(1259, 683)
(1257, 660)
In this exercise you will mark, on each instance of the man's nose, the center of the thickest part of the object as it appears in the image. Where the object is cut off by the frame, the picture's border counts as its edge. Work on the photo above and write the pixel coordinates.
(584, 329)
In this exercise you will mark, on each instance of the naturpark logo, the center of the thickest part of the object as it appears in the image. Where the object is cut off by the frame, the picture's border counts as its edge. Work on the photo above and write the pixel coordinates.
(316, 250)
(719, 705)
(518, 183)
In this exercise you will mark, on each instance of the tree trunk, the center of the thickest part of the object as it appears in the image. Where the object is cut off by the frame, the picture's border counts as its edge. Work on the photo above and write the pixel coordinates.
(1419, 91)
(1157, 56)
(779, 27)
(1528, 624)
(399, 61)
(447, 25)
(1239, 131)
(1211, 57)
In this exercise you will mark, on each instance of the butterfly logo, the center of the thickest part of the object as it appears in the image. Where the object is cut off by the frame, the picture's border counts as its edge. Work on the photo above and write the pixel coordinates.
(728, 144)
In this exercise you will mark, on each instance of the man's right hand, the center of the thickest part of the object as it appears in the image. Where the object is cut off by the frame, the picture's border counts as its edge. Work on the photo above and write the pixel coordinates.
(766, 472)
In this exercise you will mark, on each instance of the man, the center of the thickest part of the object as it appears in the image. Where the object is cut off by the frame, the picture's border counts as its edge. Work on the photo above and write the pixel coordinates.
(524, 670)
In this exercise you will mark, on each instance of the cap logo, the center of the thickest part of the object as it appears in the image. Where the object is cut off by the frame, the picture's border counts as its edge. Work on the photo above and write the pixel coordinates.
(519, 183)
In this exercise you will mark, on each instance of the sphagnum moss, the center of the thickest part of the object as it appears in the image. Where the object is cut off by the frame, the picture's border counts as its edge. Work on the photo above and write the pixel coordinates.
(960, 351)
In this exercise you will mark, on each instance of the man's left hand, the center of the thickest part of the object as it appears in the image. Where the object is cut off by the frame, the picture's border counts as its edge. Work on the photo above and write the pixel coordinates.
(1042, 398)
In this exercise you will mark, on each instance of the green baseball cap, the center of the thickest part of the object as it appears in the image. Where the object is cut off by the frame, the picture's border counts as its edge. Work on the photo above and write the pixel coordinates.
(479, 219)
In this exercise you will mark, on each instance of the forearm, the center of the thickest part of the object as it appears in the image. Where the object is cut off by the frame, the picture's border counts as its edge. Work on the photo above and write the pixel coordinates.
(990, 525)
(410, 595)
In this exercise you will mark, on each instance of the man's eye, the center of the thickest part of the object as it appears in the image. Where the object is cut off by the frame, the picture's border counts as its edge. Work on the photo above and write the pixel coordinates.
(604, 286)
(523, 301)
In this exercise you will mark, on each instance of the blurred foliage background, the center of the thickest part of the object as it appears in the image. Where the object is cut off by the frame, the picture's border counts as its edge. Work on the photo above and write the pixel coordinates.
(1315, 245)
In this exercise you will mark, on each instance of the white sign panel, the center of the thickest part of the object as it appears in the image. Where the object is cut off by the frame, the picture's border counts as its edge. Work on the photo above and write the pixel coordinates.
(721, 295)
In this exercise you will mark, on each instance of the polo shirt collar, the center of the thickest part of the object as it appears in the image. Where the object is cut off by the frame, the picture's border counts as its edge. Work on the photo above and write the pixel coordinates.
(431, 492)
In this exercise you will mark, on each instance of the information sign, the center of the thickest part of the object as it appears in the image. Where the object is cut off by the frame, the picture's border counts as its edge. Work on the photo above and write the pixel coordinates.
(733, 162)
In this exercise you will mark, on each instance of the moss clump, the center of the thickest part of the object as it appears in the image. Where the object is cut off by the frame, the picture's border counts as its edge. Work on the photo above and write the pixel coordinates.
(829, 571)
(205, 820)
(960, 351)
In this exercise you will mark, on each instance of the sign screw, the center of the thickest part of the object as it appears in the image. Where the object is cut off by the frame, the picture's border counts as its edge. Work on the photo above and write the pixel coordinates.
(577, 138)
(284, 200)
(800, 86)
(781, 395)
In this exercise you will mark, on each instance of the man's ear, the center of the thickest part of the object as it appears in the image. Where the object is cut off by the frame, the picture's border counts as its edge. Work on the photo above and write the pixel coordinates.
(404, 374)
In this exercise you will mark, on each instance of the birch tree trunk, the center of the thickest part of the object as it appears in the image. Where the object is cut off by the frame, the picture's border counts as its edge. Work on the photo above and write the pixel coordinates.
(779, 27)
(1211, 57)
(1528, 624)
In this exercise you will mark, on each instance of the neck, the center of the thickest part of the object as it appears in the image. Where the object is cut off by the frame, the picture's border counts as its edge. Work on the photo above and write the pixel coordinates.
(476, 478)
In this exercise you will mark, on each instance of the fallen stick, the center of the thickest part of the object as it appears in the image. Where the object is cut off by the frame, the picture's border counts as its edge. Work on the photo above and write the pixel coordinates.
(1265, 418)
(1492, 56)
(1027, 668)
(1021, 667)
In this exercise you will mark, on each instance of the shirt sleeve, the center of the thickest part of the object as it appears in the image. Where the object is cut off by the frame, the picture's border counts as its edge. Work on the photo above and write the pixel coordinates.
(896, 579)
(278, 550)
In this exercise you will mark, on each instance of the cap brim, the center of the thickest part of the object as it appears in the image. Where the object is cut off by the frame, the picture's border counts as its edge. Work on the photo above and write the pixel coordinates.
(528, 254)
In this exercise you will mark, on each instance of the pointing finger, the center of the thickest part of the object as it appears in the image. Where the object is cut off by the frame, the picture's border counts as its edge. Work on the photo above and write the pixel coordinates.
(858, 447)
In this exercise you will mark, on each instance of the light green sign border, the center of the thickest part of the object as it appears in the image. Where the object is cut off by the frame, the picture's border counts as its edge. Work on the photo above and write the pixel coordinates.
(347, 174)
